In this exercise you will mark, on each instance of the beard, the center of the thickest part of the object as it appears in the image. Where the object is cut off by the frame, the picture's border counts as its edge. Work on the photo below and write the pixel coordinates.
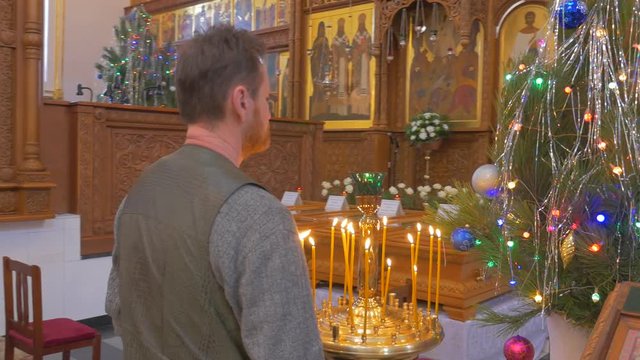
(257, 138)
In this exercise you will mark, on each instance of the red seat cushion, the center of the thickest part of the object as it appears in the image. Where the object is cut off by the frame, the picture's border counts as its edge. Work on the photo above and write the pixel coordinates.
(58, 331)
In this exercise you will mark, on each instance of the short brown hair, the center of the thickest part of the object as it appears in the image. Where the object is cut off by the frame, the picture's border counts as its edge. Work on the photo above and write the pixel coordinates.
(210, 65)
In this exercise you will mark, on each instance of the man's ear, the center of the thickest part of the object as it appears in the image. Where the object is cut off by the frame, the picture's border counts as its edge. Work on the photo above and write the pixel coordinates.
(239, 99)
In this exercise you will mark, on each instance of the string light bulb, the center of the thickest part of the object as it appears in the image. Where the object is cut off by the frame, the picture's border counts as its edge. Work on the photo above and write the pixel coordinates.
(568, 89)
(595, 247)
(522, 67)
(622, 77)
(595, 297)
(588, 116)
(617, 170)
(537, 298)
(526, 234)
(602, 145)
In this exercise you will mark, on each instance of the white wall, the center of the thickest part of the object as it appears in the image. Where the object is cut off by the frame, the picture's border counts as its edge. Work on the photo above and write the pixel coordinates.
(71, 287)
(88, 28)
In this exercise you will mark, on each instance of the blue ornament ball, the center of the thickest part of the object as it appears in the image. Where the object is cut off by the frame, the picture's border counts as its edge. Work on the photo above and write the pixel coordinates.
(463, 239)
(572, 13)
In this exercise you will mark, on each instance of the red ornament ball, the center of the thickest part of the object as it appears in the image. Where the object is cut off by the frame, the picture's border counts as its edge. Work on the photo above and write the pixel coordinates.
(518, 348)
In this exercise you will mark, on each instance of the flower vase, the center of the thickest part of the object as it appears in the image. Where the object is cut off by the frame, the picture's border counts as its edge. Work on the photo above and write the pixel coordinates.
(428, 147)
(368, 193)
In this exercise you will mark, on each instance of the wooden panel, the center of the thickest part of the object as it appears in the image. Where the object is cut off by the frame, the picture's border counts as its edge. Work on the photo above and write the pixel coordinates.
(113, 144)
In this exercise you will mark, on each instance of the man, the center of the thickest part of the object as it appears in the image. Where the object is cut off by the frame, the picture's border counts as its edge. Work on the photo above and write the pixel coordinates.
(206, 263)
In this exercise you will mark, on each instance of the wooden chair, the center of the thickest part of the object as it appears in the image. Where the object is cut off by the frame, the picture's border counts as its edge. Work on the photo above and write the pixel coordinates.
(30, 333)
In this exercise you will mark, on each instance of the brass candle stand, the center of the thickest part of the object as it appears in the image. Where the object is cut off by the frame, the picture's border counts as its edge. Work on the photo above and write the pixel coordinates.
(364, 327)
(392, 335)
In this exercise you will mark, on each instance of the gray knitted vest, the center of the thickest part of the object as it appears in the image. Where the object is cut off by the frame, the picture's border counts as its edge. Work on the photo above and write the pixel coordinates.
(172, 307)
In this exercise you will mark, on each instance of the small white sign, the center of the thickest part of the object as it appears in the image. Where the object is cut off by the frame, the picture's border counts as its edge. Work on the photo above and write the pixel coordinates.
(291, 198)
(336, 203)
(390, 208)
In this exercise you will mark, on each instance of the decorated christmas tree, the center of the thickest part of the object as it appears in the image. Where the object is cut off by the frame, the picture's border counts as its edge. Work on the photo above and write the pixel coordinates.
(557, 215)
(137, 71)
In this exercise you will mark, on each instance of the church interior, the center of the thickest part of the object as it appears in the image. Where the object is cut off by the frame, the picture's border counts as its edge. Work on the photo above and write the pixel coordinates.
(455, 105)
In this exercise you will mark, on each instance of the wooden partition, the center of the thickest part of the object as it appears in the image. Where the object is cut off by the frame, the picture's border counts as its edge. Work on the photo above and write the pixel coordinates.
(108, 146)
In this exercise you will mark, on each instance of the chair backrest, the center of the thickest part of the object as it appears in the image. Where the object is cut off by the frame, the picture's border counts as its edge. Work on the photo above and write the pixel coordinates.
(20, 299)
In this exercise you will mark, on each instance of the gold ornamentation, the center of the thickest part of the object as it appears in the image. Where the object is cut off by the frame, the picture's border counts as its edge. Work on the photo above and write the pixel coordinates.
(567, 248)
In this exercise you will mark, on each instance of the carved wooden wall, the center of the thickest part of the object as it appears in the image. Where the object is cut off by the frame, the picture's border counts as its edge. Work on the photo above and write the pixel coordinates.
(113, 144)
(24, 182)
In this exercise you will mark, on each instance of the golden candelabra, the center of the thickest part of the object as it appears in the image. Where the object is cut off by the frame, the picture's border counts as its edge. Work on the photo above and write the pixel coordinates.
(372, 325)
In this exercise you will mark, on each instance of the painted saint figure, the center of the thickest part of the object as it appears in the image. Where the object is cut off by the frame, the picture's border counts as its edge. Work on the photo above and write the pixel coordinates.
(340, 55)
(361, 57)
(526, 40)
(320, 69)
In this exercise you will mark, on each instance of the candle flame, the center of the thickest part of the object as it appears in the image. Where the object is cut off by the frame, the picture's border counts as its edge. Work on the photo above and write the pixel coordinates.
(335, 221)
(419, 226)
(388, 262)
(350, 228)
(303, 234)
(410, 237)
(344, 223)
(385, 220)
(312, 242)
(415, 268)
(367, 244)
(431, 230)
(438, 233)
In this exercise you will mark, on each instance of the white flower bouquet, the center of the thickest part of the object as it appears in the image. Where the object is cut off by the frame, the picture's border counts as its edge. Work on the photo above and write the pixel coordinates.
(436, 194)
(427, 127)
(340, 188)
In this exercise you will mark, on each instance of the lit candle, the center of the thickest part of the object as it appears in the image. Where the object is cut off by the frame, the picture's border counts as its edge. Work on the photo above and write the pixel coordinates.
(431, 232)
(303, 235)
(345, 250)
(384, 242)
(313, 270)
(414, 293)
(367, 245)
(419, 227)
(351, 264)
(438, 270)
(386, 286)
(333, 234)
(410, 238)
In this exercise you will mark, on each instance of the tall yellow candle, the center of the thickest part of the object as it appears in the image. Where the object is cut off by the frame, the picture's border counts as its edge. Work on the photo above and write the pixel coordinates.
(414, 293)
(345, 250)
(415, 258)
(431, 232)
(303, 235)
(385, 292)
(413, 254)
(367, 245)
(333, 235)
(313, 270)
(439, 235)
(351, 264)
(384, 245)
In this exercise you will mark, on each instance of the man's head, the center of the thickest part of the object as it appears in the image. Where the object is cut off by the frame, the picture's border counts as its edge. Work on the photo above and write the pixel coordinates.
(220, 77)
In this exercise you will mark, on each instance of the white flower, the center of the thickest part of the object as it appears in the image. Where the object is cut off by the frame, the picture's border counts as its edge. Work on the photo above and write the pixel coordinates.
(423, 195)
(442, 194)
(427, 188)
(336, 182)
(420, 188)
(445, 126)
(409, 191)
(325, 192)
(348, 188)
(326, 184)
(347, 181)
(413, 137)
(436, 121)
(402, 186)
(423, 136)
(453, 192)
(447, 188)
(414, 128)
(430, 129)
(437, 186)
(393, 190)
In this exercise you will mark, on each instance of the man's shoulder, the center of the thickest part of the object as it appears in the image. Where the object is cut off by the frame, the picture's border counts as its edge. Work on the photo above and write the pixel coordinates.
(251, 196)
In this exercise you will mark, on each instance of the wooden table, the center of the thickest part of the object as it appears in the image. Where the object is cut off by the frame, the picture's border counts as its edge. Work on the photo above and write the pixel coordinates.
(464, 280)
